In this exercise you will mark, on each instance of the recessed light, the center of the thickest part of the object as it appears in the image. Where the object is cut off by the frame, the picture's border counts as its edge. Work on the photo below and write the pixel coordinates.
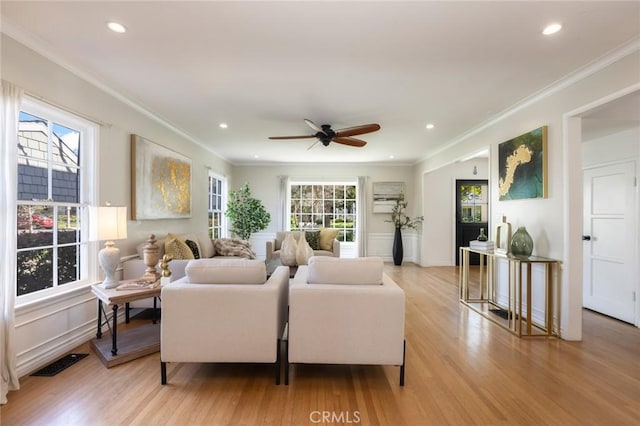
(116, 27)
(551, 29)
(223, 125)
(430, 126)
(392, 157)
(256, 156)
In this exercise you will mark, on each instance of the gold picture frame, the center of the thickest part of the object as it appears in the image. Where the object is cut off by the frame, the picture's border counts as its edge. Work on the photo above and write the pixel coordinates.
(160, 182)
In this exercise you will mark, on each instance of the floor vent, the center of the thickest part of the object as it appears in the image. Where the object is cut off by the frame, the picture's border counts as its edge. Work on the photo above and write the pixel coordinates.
(57, 366)
(502, 313)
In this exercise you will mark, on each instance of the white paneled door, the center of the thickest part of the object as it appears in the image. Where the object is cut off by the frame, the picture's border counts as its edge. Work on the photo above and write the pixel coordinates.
(610, 231)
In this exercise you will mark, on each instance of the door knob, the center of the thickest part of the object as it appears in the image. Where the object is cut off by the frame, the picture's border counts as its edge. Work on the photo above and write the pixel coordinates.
(586, 238)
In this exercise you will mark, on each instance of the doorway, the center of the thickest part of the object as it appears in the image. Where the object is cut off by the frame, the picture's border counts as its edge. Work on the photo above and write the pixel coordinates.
(595, 123)
(472, 213)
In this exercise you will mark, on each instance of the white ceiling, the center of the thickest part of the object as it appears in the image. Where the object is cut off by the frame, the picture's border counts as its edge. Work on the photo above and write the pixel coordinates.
(262, 67)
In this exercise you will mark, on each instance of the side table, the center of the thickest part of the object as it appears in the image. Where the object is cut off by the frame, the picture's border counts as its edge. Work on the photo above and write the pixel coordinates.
(134, 342)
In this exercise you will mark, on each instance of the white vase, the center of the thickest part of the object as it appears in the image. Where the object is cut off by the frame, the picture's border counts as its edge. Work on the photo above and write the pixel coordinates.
(304, 250)
(288, 251)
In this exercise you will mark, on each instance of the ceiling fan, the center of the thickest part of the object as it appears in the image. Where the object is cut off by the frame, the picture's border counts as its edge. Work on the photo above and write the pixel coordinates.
(326, 134)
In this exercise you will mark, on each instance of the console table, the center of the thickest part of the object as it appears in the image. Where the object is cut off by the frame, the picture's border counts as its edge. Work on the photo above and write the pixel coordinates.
(134, 342)
(483, 297)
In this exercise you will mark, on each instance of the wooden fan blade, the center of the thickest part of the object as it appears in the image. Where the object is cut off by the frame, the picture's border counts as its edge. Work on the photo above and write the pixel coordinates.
(349, 141)
(358, 130)
(313, 125)
(292, 137)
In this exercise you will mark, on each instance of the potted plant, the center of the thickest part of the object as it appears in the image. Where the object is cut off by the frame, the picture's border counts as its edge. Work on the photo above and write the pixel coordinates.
(401, 221)
(247, 214)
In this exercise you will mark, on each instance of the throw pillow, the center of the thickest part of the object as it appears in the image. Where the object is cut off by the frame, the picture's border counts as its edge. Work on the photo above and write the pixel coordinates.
(313, 238)
(176, 247)
(194, 248)
(327, 235)
(233, 247)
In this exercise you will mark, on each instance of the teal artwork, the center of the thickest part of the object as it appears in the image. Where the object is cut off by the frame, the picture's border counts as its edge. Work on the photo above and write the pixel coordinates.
(522, 166)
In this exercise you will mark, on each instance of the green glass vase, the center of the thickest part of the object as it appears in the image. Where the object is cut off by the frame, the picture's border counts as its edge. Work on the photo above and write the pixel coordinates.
(521, 243)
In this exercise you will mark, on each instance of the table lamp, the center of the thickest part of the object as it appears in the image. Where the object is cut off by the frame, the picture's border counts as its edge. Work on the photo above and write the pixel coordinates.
(107, 224)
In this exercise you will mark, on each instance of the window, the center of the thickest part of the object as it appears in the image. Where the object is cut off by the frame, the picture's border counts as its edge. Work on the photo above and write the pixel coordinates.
(324, 205)
(217, 206)
(53, 190)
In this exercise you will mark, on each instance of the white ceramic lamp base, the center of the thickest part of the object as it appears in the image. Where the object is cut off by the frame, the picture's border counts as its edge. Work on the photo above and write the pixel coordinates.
(109, 258)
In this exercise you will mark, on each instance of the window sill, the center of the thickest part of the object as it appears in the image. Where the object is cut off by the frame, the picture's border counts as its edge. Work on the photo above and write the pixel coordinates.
(43, 301)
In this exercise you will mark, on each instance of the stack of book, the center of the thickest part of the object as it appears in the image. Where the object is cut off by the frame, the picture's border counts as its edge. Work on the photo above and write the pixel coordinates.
(482, 245)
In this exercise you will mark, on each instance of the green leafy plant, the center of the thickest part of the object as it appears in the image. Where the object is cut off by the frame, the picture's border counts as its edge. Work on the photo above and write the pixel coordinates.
(247, 214)
(400, 219)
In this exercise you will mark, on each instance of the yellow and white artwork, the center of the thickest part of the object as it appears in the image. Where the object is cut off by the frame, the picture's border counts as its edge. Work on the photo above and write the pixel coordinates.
(161, 182)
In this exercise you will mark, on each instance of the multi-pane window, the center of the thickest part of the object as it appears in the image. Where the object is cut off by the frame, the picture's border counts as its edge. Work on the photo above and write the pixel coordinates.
(51, 250)
(217, 206)
(317, 205)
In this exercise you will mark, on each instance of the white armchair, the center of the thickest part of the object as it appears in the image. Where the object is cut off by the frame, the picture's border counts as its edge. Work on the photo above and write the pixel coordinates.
(224, 311)
(345, 311)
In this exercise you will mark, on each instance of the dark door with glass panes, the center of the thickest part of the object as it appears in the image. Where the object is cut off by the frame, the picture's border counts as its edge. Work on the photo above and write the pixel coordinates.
(472, 205)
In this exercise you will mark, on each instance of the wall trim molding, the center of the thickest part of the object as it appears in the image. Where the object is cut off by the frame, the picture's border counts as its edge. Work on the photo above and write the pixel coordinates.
(574, 77)
(49, 52)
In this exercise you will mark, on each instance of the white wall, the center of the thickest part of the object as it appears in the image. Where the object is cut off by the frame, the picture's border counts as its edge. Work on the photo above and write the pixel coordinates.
(618, 146)
(438, 244)
(545, 219)
(44, 331)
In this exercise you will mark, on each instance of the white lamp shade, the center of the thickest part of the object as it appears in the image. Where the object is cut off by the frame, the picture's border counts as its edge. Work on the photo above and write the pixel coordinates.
(107, 223)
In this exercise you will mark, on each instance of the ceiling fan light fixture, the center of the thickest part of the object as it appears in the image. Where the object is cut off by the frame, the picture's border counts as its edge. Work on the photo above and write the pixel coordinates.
(552, 28)
(116, 27)
(223, 125)
(430, 126)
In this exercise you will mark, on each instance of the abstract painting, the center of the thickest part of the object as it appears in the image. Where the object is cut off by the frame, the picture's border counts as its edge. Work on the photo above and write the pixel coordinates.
(160, 182)
(522, 166)
(385, 195)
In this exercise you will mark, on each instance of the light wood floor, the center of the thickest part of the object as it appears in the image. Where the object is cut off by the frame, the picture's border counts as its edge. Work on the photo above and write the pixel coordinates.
(461, 370)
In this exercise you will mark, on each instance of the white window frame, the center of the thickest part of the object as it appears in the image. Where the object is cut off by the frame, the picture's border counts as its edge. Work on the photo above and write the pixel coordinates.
(295, 182)
(88, 171)
(224, 229)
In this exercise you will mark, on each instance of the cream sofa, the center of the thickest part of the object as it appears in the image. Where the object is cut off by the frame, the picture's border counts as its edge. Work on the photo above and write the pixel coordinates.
(224, 311)
(345, 311)
(135, 268)
(274, 246)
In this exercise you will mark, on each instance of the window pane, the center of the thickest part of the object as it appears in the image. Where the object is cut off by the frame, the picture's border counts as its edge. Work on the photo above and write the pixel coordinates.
(306, 191)
(339, 192)
(68, 225)
(33, 180)
(66, 145)
(35, 226)
(68, 261)
(351, 192)
(350, 206)
(328, 206)
(328, 192)
(317, 192)
(295, 191)
(34, 270)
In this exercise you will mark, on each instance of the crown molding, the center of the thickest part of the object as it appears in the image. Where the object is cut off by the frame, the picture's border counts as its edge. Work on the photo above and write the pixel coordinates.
(48, 51)
(591, 68)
